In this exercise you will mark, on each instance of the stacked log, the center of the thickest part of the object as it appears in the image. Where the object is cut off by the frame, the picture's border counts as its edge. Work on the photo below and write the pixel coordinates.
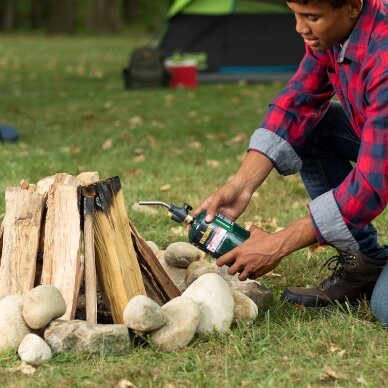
(78, 227)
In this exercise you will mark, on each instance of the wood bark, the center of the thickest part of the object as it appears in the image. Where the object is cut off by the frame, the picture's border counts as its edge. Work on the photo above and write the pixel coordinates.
(61, 257)
(116, 261)
(159, 286)
(22, 224)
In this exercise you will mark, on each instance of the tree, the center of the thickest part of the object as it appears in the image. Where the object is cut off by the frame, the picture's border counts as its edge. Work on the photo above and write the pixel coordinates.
(9, 14)
(62, 17)
(105, 15)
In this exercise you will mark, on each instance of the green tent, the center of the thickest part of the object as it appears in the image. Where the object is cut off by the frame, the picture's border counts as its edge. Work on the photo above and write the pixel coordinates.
(234, 36)
(223, 7)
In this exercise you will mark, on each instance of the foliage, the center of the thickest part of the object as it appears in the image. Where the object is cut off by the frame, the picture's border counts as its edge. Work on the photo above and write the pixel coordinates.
(66, 98)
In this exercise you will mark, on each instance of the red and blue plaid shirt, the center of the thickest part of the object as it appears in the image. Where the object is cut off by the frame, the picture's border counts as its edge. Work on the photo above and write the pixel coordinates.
(358, 75)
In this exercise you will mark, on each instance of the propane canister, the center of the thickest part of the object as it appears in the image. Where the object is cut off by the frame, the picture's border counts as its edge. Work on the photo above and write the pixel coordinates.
(215, 238)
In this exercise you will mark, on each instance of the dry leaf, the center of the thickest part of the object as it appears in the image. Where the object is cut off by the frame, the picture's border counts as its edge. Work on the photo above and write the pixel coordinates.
(192, 114)
(361, 380)
(194, 144)
(135, 121)
(125, 384)
(213, 163)
(108, 143)
(272, 274)
(330, 374)
(133, 172)
(24, 368)
(138, 158)
(165, 188)
(108, 105)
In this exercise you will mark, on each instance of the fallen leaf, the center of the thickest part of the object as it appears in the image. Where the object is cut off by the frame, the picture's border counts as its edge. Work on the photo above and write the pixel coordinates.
(165, 188)
(108, 105)
(361, 380)
(178, 230)
(24, 368)
(125, 384)
(192, 114)
(330, 374)
(272, 274)
(108, 143)
(213, 163)
(138, 158)
(194, 144)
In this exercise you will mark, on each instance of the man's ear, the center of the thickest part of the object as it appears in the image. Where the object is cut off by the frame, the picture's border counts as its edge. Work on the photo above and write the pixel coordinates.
(355, 7)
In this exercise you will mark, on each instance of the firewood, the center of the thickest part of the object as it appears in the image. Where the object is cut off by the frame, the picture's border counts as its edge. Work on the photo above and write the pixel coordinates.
(22, 223)
(90, 263)
(61, 257)
(116, 261)
(159, 285)
(88, 177)
(43, 186)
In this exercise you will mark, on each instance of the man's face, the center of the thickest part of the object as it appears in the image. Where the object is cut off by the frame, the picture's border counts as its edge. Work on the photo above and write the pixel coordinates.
(322, 26)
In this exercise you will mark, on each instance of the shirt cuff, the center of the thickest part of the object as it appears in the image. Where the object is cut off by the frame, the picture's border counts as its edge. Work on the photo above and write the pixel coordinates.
(332, 228)
(281, 153)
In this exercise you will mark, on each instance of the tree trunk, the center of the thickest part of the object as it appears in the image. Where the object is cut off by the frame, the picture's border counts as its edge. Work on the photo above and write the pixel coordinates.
(105, 15)
(62, 17)
(9, 14)
(130, 10)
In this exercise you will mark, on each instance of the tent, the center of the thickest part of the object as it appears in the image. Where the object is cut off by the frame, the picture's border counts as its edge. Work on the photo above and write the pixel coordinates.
(238, 39)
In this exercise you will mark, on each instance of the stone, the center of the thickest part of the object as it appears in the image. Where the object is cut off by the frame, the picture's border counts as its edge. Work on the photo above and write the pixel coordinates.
(83, 337)
(260, 294)
(183, 318)
(42, 304)
(154, 248)
(181, 254)
(194, 270)
(143, 314)
(245, 309)
(177, 275)
(13, 328)
(215, 300)
(34, 350)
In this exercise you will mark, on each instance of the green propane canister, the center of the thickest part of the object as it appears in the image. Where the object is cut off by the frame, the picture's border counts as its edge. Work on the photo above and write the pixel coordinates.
(214, 238)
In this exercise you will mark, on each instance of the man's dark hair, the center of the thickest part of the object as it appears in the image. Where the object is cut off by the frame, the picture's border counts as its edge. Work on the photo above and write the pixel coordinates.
(333, 3)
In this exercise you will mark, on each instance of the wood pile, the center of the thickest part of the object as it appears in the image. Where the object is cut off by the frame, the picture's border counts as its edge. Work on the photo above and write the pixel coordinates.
(68, 230)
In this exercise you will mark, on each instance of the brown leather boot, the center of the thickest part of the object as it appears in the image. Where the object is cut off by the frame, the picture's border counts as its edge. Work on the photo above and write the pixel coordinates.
(354, 276)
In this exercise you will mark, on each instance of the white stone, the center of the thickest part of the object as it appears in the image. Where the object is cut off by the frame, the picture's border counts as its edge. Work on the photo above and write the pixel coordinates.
(12, 326)
(42, 305)
(183, 318)
(245, 309)
(34, 350)
(215, 300)
(143, 314)
(197, 269)
(181, 254)
(177, 275)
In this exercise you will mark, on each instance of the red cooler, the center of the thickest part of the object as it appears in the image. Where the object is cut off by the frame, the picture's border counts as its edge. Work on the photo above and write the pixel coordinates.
(183, 73)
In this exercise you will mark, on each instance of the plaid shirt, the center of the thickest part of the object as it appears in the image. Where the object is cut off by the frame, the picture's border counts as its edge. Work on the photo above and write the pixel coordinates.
(357, 74)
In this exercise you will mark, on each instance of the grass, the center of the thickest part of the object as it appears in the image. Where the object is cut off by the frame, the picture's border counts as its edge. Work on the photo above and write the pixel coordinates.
(66, 97)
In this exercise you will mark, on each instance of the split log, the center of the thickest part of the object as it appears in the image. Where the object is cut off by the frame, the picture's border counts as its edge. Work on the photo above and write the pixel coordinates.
(88, 177)
(90, 263)
(22, 224)
(159, 286)
(61, 257)
(116, 261)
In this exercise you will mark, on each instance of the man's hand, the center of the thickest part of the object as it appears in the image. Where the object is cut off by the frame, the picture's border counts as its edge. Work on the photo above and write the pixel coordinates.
(263, 251)
(255, 257)
(233, 198)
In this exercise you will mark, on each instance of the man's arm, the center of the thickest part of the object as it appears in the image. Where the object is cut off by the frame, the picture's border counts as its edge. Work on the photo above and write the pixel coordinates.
(263, 251)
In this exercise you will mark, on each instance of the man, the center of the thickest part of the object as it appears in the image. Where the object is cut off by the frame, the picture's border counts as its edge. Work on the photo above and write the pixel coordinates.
(305, 130)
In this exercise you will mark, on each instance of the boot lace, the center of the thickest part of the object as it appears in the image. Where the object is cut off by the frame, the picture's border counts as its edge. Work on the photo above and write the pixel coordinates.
(335, 264)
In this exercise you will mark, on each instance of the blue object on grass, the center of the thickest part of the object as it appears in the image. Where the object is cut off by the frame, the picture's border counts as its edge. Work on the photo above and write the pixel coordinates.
(8, 133)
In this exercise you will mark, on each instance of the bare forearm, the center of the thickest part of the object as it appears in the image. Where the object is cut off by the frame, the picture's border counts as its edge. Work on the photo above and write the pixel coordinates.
(253, 171)
(298, 235)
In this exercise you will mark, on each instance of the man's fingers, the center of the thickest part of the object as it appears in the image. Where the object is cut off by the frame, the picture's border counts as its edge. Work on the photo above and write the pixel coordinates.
(227, 259)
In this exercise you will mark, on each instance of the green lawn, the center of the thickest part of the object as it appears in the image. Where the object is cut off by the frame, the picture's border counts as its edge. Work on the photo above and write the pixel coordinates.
(66, 97)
